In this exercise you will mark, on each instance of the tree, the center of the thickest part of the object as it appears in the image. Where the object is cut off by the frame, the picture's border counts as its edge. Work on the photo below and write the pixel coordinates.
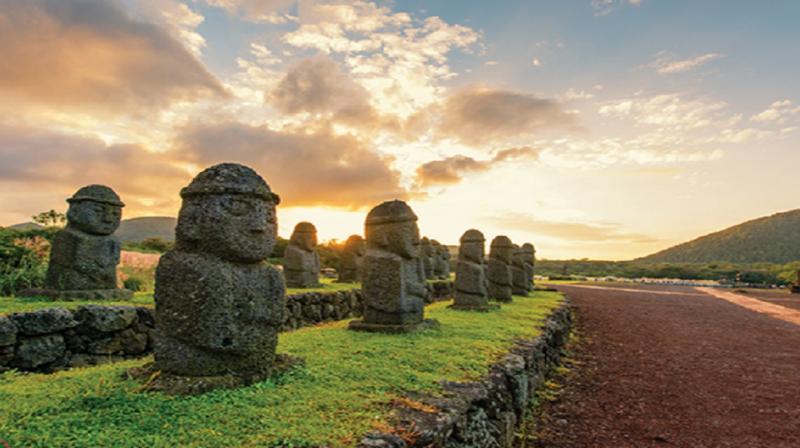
(50, 218)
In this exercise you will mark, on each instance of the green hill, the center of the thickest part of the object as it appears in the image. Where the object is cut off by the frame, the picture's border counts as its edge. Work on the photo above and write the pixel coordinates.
(135, 230)
(772, 239)
(25, 226)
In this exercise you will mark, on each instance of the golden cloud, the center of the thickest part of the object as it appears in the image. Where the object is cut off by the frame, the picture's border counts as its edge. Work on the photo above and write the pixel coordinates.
(452, 169)
(477, 115)
(317, 168)
(92, 56)
(56, 163)
(587, 232)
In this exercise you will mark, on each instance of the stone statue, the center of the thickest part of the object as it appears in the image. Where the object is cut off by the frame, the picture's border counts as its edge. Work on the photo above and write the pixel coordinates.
(439, 263)
(394, 285)
(301, 260)
(519, 274)
(471, 284)
(427, 258)
(445, 261)
(219, 306)
(351, 259)
(499, 269)
(530, 263)
(85, 254)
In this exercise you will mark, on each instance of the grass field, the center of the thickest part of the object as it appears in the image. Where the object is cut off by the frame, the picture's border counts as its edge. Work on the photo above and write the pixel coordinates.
(21, 304)
(343, 390)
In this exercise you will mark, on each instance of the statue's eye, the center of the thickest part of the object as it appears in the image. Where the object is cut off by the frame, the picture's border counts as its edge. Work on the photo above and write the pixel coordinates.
(238, 207)
(270, 212)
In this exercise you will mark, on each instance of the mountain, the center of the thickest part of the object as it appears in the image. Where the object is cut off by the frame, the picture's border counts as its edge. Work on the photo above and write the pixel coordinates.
(25, 226)
(135, 230)
(772, 239)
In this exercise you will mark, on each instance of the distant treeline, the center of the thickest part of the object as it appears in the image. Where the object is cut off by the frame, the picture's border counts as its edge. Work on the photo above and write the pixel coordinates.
(755, 273)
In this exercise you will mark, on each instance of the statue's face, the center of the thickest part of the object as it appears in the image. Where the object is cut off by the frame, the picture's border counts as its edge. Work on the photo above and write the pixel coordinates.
(361, 248)
(307, 240)
(504, 253)
(400, 238)
(234, 227)
(96, 218)
(427, 248)
(472, 251)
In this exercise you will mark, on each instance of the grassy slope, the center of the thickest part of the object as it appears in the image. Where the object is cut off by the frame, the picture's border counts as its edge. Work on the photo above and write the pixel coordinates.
(771, 239)
(343, 390)
(18, 304)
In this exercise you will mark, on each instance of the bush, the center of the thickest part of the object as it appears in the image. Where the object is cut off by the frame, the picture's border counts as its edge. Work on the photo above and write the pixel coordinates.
(23, 259)
(150, 245)
(135, 284)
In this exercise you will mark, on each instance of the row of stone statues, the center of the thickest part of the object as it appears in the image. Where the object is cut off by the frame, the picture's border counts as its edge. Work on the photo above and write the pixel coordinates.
(219, 307)
(301, 265)
(508, 272)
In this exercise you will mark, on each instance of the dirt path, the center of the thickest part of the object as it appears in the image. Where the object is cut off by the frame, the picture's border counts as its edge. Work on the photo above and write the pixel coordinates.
(682, 370)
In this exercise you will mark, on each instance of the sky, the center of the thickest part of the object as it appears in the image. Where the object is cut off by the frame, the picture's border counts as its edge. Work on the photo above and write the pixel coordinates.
(604, 129)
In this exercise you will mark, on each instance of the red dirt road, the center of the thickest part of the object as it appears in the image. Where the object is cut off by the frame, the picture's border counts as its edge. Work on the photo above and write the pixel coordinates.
(686, 370)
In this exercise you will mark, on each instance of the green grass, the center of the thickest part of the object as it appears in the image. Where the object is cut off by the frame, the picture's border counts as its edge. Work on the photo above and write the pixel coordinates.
(22, 304)
(342, 391)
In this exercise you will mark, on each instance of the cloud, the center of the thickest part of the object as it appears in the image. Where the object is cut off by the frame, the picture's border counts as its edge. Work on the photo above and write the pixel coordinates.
(451, 170)
(91, 55)
(604, 7)
(401, 61)
(573, 94)
(672, 111)
(268, 11)
(57, 164)
(665, 64)
(176, 18)
(316, 168)
(778, 112)
(316, 85)
(477, 115)
(573, 231)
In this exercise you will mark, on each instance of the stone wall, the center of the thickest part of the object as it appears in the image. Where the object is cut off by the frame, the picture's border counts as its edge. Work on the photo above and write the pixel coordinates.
(57, 338)
(485, 413)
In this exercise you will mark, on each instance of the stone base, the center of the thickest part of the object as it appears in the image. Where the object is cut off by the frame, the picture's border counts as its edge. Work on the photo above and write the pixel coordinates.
(796, 289)
(157, 381)
(360, 325)
(503, 300)
(483, 308)
(72, 295)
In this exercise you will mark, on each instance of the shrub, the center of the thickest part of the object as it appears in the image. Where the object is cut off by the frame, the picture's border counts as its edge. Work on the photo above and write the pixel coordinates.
(23, 259)
(135, 283)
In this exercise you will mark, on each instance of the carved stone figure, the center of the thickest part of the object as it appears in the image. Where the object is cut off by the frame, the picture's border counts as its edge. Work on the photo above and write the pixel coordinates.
(85, 254)
(301, 260)
(219, 306)
(499, 269)
(530, 263)
(427, 258)
(440, 260)
(394, 286)
(519, 274)
(351, 259)
(471, 285)
(445, 260)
